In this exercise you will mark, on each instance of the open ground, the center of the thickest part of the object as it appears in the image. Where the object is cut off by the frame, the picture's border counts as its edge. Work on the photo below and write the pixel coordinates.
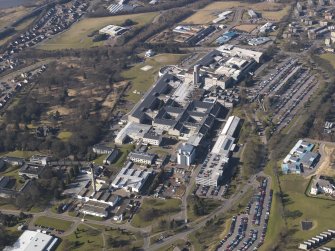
(273, 11)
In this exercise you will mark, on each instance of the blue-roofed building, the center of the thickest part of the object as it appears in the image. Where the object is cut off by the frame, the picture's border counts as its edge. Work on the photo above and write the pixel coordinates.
(291, 168)
(227, 36)
(300, 157)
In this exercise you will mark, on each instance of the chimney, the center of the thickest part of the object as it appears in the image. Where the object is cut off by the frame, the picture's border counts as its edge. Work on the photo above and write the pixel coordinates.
(93, 179)
(196, 74)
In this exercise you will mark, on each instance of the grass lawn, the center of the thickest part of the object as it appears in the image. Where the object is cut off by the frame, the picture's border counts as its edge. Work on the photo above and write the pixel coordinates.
(210, 205)
(296, 201)
(117, 239)
(142, 80)
(276, 15)
(276, 222)
(20, 154)
(53, 222)
(64, 136)
(330, 57)
(179, 243)
(208, 237)
(158, 150)
(154, 209)
(85, 238)
(100, 159)
(77, 36)
(124, 151)
(246, 27)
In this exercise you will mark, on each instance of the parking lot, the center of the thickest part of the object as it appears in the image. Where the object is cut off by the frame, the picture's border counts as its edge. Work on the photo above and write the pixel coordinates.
(211, 191)
(289, 86)
(248, 229)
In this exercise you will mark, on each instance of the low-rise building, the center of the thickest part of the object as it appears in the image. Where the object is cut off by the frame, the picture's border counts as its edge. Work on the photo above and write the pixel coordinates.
(300, 157)
(152, 139)
(132, 131)
(130, 178)
(96, 209)
(113, 30)
(142, 158)
(102, 149)
(323, 185)
(39, 160)
(31, 170)
(13, 161)
(111, 157)
(34, 241)
(4, 180)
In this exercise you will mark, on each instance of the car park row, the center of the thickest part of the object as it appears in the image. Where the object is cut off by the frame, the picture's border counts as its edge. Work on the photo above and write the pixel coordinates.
(248, 229)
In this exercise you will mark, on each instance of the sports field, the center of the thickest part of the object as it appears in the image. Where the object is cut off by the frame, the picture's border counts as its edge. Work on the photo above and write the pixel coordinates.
(78, 35)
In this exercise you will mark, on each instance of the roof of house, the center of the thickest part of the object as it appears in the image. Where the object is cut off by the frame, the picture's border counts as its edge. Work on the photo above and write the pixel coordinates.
(142, 155)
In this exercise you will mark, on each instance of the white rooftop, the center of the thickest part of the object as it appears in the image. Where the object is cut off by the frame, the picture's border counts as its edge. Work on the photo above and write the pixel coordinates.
(33, 241)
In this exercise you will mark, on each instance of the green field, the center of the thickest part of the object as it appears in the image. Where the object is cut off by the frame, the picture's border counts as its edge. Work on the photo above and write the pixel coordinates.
(20, 154)
(154, 209)
(117, 239)
(90, 237)
(297, 207)
(210, 205)
(100, 159)
(296, 201)
(142, 80)
(276, 223)
(85, 238)
(53, 222)
(124, 151)
(78, 35)
(330, 57)
(64, 136)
